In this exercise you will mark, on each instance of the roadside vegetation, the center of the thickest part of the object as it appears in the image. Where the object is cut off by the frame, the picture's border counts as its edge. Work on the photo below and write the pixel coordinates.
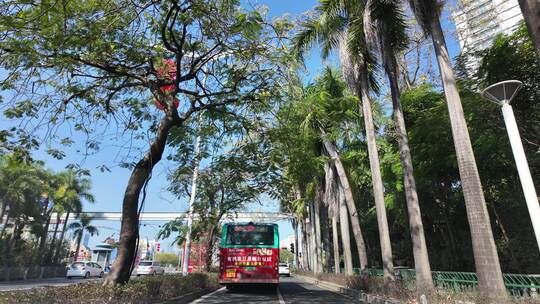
(141, 290)
(30, 195)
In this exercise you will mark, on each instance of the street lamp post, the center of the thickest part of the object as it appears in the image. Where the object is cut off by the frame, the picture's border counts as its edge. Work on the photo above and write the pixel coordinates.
(502, 94)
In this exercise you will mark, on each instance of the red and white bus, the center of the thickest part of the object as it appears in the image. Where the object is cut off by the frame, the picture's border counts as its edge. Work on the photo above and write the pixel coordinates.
(249, 253)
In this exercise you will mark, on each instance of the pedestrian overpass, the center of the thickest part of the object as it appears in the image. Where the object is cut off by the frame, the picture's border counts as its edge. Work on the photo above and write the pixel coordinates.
(169, 216)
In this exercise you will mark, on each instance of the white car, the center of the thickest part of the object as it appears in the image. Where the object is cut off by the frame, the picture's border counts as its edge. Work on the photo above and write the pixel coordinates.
(284, 269)
(149, 268)
(84, 270)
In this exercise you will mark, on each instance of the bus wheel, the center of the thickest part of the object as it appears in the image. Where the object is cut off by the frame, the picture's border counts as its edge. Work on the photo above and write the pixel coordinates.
(229, 287)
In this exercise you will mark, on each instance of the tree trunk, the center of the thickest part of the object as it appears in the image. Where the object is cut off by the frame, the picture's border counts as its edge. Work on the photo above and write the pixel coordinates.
(61, 239)
(317, 228)
(314, 254)
(424, 281)
(531, 14)
(2, 212)
(11, 241)
(345, 234)
(129, 230)
(5, 225)
(488, 269)
(295, 231)
(305, 250)
(500, 224)
(43, 240)
(209, 249)
(53, 241)
(79, 240)
(327, 253)
(335, 243)
(376, 178)
(355, 221)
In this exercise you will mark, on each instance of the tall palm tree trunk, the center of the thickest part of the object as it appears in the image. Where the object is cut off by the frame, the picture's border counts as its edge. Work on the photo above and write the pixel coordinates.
(327, 253)
(488, 269)
(378, 191)
(18, 226)
(313, 239)
(305, 253)
(345, 233)
(295, 231)
(531, 14)
(8, 215)
(355, 221)
(335, 242)
(2, 211)
(49, 257)
(79, 240)
(61, 239)
(420, 253)
(317, 229)
(309, 242)
(43, 238)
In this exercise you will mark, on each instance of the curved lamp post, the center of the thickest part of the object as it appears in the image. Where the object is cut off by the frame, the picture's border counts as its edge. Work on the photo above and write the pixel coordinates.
(502, 93)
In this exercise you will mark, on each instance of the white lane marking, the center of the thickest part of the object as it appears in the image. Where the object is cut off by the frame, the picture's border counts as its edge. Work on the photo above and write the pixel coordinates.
(280, 297)
(199, 300)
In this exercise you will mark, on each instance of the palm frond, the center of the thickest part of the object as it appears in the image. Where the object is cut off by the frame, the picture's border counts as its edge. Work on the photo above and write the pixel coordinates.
(92, 230)
(74, 226)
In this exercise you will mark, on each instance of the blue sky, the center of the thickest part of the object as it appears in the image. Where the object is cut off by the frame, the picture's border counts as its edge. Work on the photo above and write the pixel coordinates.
(108, 187)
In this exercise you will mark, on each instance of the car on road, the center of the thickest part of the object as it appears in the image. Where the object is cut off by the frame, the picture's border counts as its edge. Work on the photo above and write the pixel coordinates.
(284, 269)
(84, 270)
(149, 268)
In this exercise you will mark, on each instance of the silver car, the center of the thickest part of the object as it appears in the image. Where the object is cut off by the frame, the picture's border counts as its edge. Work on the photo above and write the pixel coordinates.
(149, 268)
(284, 269)
(84, 270)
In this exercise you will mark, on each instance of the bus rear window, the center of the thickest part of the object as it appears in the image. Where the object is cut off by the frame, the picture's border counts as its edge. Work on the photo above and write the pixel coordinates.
(250, 235)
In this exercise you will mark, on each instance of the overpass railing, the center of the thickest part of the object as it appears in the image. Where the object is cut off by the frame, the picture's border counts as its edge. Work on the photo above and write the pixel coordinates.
(516, 284)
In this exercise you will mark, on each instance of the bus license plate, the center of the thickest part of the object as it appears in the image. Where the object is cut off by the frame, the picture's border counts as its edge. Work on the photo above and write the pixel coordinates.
(230, 273)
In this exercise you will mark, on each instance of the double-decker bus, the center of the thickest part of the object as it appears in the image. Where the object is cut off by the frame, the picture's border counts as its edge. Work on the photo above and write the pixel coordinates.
(249, 253)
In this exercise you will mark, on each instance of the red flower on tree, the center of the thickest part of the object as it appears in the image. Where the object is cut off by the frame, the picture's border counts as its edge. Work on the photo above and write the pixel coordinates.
(167, 72)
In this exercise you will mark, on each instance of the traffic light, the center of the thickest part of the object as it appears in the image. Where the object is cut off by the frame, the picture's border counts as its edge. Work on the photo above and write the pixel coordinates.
(292, 247)
(158, 247)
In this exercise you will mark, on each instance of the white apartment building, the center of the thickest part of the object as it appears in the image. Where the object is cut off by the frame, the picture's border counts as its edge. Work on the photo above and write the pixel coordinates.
(479, 21)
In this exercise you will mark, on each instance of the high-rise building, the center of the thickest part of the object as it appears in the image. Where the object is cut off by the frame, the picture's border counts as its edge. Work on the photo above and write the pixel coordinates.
(479, 21)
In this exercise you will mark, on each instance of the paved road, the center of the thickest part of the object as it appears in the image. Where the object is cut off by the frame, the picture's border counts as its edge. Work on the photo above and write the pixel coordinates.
(291, 291)
(21, 285)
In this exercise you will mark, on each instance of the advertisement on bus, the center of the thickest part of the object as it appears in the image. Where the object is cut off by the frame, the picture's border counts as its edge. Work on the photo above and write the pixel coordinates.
(249, 253)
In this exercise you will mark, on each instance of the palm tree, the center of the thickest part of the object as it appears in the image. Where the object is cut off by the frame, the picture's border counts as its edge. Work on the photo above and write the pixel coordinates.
(531, 11)
(47, 179)
(488, 269)
(74, 188)
(390, 30)
(21, 189)
(341, 21)
(326, 108)
(79, 228)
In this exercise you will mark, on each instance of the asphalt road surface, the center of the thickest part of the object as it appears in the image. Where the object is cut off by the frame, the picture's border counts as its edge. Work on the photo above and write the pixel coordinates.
(22, 285)
(291, 290)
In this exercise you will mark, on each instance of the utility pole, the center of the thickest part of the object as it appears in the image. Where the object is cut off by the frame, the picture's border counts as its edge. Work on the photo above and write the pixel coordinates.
(187, 244)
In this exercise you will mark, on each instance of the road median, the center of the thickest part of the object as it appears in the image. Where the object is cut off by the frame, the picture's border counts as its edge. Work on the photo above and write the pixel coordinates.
(157, 289)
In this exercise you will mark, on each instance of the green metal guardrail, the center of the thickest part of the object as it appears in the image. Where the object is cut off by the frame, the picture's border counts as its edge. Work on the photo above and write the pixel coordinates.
(517, 284)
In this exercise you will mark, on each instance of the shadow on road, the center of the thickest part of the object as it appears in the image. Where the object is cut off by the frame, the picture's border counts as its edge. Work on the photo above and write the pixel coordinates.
(262, 289)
